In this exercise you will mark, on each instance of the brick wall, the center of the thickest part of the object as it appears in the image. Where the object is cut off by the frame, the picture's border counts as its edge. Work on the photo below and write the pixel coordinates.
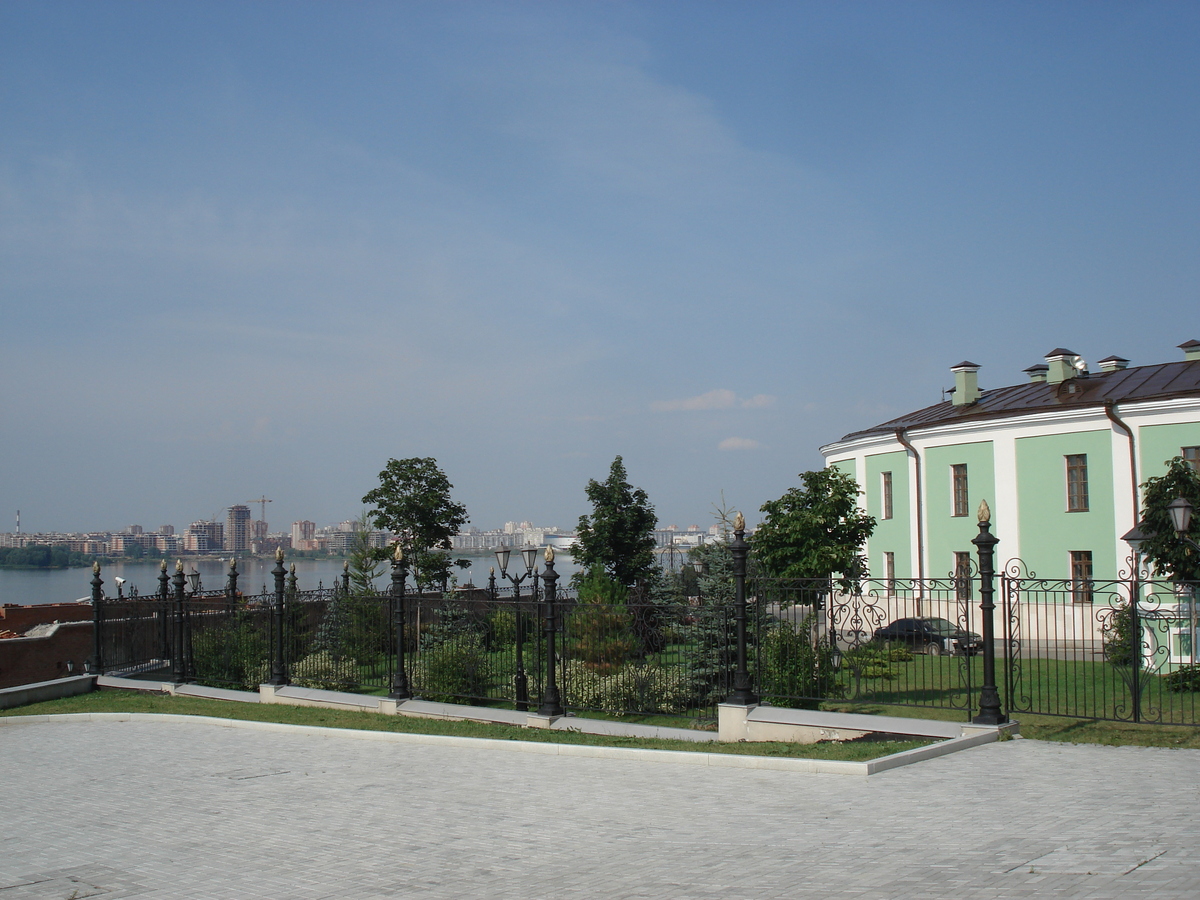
(62, 652)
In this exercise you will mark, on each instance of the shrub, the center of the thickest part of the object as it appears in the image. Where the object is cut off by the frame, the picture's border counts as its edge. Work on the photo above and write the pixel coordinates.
(794, 670)
(1118, 636)
(600, 628)
(234, 653)
(640, 687)
(1185, 678)
(501, 627)
(453, 671)
(326, 672)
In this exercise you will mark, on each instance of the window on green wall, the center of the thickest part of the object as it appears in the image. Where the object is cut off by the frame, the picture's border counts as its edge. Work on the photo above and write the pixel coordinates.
(962, 576)
(1077, 483)
(887, 494)
(958, 479)
(1192, 455)
(889, 570)
(1081, 576)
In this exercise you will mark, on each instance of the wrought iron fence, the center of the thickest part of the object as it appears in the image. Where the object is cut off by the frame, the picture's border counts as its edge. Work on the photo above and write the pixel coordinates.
(1123, 649)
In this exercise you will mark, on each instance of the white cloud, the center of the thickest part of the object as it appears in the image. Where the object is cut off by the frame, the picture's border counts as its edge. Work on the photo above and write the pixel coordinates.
(722, 398)
(738, 443)
(718, 399)
(758, 401)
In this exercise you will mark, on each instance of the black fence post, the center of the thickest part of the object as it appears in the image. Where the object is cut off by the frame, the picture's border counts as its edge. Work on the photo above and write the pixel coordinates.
(742, 694)
(179, 656)
(985, 542)
(1135, 640)
(551, 702)
(231, 587)
(96, 664)
(164, 598)
(400, 686)
(278, 668)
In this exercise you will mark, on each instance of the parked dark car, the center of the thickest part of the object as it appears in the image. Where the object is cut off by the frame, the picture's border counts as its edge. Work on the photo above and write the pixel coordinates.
(931, 635)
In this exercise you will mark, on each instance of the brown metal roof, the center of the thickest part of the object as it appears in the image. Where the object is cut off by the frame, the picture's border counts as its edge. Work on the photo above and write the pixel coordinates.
(1160, 382)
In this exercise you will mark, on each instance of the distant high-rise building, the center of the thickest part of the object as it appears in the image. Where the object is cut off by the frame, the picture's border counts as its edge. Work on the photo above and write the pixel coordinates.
(166, 529)
(303, 531)
(237, 528)
(258, 530)
(204, 537)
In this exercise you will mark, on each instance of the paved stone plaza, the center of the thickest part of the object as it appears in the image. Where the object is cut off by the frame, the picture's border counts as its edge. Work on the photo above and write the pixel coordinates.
(161, 809)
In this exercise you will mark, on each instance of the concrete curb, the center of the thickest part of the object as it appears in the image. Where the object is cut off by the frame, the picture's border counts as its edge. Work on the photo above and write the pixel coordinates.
(677, 757)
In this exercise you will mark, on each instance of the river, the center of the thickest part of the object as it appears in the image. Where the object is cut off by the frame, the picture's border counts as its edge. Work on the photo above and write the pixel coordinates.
(37, 586)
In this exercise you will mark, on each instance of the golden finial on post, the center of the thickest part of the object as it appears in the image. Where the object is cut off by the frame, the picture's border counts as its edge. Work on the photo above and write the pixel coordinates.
(985, 512)
(398, 554)
(162, 566)
(179, 567)
(96, 567)
(739, 522)
(279, 554)
(549, 555)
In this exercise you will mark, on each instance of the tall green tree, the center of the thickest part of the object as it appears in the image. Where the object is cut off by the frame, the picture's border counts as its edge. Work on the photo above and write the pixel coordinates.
(815, 531)
(1166, 552)
(619, 534)
(413, 502)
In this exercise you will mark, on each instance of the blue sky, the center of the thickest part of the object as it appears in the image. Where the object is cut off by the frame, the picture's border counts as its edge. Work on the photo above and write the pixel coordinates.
(253, 248)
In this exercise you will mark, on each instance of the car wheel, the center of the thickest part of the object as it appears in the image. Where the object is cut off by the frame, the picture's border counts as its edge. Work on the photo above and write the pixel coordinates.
(933, 649)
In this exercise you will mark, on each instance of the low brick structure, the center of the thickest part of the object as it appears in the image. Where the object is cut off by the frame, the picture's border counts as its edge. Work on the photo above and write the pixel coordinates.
(53, 640)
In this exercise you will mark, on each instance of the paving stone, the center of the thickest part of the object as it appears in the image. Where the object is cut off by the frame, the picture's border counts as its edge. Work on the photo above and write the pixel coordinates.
(167, 809)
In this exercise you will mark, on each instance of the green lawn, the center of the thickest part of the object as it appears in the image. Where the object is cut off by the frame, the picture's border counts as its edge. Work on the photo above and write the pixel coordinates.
(137, 701)
(1082, 689)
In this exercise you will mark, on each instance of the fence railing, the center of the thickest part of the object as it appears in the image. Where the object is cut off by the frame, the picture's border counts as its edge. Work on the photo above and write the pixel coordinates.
(1123, 650)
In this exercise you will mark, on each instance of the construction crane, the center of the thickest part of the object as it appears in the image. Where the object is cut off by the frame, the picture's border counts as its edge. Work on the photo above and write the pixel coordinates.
(262, 503)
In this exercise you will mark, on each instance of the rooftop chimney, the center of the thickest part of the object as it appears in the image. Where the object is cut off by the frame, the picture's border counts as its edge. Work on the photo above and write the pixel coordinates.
(1037, 373)
(1191, 350)
(966, 384)
(1061, 365)
(1113, 364)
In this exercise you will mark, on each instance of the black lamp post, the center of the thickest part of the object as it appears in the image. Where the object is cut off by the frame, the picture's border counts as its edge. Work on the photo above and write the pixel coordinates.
(551, 702)
(985, 543)
(520, 681)
(742, 694)
(400, 688)
(1134, 537)
(193, 578)
(1181, 519)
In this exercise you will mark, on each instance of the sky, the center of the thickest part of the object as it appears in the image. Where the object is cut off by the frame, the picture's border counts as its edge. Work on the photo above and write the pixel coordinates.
(257, 249)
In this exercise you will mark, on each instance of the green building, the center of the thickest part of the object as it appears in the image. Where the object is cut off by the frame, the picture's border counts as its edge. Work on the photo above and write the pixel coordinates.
(1058, 458)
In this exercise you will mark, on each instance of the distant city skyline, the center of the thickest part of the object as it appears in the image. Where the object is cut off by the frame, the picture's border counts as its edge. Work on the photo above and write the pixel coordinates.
(254, 250)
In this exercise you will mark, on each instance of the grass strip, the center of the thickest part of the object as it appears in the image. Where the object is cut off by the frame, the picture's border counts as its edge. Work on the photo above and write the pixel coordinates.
(110, 700)
(1054, 728)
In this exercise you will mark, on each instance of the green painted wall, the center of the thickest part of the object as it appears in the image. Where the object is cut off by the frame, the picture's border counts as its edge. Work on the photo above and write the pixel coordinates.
(848, 466)
(1048, 532)
(891, 535)
(1158, 443)
(948, 533)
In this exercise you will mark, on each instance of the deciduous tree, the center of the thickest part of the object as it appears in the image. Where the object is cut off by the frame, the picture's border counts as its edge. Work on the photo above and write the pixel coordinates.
(1166, 552)
(816, 530)
(413, 502)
